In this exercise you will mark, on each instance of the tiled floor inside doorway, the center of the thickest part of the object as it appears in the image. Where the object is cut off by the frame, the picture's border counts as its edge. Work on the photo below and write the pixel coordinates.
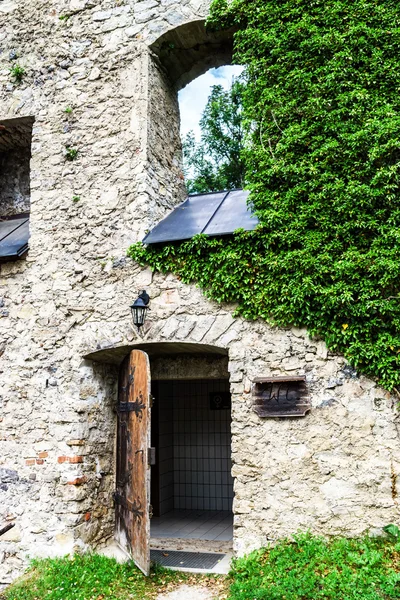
(214, 525)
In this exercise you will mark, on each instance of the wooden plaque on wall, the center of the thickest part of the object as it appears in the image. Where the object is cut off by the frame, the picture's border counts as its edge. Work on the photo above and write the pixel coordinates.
(281, 397)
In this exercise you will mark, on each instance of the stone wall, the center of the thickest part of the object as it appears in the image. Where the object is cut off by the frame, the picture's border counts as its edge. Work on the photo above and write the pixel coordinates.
(334, 471)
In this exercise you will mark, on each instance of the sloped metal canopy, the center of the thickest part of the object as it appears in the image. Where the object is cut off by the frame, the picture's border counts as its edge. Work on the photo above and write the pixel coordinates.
(218, 213)
(14, 236)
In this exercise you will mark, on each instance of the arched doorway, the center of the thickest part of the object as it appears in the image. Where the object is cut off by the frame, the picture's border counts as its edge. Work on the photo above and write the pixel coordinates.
(173, 482)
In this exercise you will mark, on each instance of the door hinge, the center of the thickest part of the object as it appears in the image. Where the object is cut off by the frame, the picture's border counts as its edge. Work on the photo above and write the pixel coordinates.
(127, 407)
(151, 456)
(133, 507)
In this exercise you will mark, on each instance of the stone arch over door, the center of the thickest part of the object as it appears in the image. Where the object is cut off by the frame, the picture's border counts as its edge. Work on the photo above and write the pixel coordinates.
(114, 355)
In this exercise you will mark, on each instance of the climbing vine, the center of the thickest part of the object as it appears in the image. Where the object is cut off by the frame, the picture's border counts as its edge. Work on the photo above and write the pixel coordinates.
(322, 100)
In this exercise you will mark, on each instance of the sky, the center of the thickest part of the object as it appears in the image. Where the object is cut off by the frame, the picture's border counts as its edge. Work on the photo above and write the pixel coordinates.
(193, 97)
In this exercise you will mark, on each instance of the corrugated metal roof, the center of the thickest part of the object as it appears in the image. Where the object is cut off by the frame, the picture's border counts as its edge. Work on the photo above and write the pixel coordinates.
(218, 213)
(14, 236)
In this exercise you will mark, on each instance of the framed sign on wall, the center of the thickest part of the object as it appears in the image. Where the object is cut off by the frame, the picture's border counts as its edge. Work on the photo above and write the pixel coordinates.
(281, 396)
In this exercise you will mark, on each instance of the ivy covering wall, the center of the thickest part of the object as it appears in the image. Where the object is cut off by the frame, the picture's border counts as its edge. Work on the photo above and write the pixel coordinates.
(323, 165)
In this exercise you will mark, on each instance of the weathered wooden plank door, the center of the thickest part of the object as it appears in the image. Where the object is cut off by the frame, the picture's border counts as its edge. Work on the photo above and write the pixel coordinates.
(132, 496)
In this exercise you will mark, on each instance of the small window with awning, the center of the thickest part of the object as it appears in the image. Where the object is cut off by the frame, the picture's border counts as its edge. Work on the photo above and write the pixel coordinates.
(15, 193)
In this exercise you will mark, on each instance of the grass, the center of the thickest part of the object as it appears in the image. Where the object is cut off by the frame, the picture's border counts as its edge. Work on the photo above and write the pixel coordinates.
(95, 577)
(312, 568)
(17, 73)
(306, 567)
(71, 153)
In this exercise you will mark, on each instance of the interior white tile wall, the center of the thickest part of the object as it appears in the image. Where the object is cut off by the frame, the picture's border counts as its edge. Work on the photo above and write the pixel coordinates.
(166, 449)
(194, 447)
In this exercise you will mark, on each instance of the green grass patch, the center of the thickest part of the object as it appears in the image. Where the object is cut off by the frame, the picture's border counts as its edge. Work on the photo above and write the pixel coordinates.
(310, 568)
(306, 567)
(91, 577)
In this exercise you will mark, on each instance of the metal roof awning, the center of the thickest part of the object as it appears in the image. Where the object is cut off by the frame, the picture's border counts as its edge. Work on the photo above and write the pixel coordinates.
(14, 236)
(218, 213)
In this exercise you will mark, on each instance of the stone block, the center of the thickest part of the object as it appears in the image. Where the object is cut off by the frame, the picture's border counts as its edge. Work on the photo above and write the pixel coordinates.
(12, 535)
(145, 16)
(220, 326)
(144, 5)
(8, 6)
(338, 489)
(322, 350)
(292, 364)
(102, 15)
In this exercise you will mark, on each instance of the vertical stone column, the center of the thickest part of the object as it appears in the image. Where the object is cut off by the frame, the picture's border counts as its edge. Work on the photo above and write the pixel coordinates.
(164, 145)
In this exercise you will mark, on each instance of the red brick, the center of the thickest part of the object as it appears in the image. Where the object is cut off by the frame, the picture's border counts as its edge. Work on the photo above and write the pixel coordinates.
(39, 461)
(30, 462)
(87, 516)
(78, 481)
(43, 454)
(70, 459)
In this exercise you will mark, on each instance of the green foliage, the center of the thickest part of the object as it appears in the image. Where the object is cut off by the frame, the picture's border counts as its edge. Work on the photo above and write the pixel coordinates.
(87, 577)
(76, 198)
(307, 568)
(17, 73)
(310, 568)
(392, 530)
(64, 17)
(323, 166)
(215, 162)
(68, 110)
(71, 153)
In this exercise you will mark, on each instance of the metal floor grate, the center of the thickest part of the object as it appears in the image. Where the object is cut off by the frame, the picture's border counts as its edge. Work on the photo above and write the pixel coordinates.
(185, 560)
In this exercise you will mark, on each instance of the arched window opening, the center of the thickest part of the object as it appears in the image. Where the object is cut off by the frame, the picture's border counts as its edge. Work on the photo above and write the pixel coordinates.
(194, 63)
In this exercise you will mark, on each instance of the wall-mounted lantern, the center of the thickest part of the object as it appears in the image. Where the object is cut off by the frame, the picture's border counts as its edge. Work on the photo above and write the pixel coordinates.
(139, 309)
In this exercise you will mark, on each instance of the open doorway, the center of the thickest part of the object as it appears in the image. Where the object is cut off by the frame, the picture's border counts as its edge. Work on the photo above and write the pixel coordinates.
(189, 424)
(191, 482)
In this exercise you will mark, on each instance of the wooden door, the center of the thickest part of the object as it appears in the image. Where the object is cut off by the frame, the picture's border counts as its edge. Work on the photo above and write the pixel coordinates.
(132, 496)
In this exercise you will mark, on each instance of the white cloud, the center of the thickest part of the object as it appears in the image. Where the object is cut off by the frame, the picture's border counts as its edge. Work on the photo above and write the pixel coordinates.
(193, 98)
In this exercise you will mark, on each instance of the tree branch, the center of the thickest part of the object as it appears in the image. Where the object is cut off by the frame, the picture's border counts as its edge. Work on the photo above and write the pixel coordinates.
(270, 148)
(276, 122)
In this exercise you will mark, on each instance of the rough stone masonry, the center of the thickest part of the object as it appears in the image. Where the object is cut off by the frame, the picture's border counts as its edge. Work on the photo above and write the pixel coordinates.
(93, 83)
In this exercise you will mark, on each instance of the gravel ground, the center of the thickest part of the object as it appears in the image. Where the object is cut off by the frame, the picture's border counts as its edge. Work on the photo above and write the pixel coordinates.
(186, 592)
